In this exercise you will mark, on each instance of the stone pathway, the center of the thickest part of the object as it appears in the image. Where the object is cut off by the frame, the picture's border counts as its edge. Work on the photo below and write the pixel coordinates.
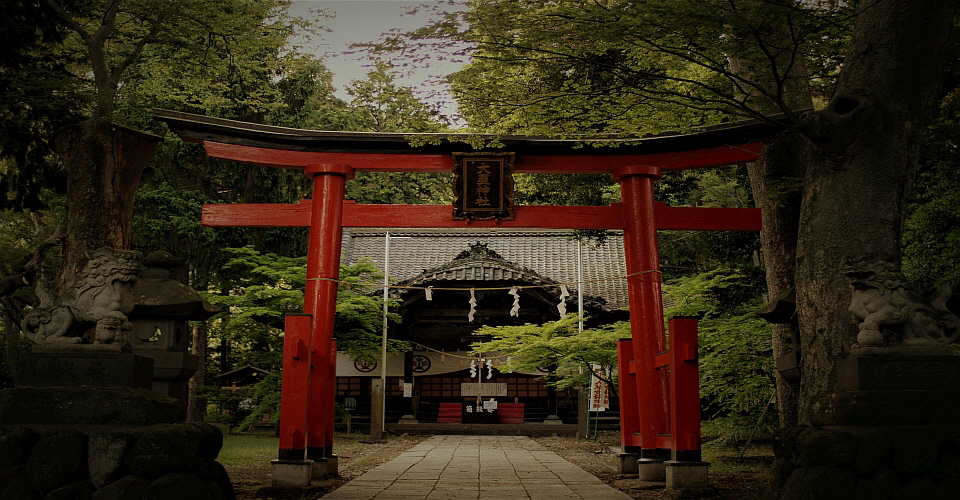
(477, 467)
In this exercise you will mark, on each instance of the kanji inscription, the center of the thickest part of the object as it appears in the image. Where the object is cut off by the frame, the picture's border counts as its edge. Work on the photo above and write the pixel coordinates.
(483, 186)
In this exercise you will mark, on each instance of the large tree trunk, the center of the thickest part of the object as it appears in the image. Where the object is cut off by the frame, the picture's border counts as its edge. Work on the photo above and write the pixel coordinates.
(863, 159)
(103, 164)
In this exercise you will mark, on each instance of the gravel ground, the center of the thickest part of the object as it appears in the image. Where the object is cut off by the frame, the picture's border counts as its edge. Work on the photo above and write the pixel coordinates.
(732, 480)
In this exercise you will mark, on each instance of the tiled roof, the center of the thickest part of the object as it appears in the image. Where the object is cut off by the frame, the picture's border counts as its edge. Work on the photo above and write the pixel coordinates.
(550, 253)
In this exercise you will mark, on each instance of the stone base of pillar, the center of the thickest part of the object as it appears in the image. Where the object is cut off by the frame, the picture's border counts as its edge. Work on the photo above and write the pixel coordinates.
(553, 420)
(291, 473)
(326, 467)
(408, 420)
(651, 469)
(627, 463)
(687, 474)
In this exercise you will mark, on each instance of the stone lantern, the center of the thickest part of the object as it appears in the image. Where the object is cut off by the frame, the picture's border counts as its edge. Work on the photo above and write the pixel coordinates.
(163, 307)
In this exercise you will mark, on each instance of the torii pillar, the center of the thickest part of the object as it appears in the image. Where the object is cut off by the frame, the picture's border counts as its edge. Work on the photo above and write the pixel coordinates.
(646, 312)
(297, 449)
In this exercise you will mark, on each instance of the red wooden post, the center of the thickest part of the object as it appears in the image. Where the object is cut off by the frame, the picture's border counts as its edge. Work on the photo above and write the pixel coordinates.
(646, 303)
(294, 387)
(684, 390)
(323, 269)
(331, 401)
(438, 216)
(627, 388)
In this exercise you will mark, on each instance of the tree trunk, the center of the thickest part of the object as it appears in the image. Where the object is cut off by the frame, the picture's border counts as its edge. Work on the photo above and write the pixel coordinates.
(863, 159)
(196, 405)
(103, 164)
(775, 181)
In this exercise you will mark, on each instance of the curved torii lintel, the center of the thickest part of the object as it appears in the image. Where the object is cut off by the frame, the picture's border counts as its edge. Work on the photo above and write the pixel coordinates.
(284, 147)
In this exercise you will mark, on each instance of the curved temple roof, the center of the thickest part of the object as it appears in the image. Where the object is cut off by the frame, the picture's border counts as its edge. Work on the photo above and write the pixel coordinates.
(481, 264)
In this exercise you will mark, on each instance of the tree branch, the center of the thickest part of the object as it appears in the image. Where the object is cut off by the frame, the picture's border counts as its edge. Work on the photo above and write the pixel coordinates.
(72, 23)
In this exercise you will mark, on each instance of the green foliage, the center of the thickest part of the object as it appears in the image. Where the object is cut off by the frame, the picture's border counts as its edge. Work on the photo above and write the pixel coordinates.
(231, 405)
(736, 354)
(359, 325)
(569, 67)
(688, 252)
(258, 290)
(932, 232)
(38, 95)
(116, 60)
(558, 347)
(266, 401)
(379, 104)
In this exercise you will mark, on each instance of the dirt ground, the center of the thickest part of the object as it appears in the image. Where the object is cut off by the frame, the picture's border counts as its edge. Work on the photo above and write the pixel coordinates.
(732, 480)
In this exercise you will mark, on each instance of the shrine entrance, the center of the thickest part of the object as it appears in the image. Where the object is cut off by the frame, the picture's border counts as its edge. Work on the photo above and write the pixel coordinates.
(660, 415)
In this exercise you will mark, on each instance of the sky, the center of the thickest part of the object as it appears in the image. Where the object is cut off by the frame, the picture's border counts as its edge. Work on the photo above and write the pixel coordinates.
(357, 21)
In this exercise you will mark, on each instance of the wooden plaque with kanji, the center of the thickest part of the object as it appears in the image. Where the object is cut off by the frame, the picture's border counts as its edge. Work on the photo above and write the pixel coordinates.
(483, 186)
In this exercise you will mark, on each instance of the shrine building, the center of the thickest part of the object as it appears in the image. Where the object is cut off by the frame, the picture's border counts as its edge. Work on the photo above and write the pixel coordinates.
(441, 331)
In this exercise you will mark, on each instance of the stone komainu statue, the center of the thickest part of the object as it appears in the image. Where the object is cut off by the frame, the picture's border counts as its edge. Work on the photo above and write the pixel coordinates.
(102, 298)
(893, 314)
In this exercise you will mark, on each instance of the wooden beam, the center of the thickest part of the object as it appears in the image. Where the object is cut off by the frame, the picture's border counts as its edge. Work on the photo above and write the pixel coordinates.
(440, 216)
(409, 216)
(286, 158)
(524, 164)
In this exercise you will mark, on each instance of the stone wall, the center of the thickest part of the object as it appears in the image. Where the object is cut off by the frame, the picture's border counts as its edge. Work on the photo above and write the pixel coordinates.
(869, 463)
(105, 444)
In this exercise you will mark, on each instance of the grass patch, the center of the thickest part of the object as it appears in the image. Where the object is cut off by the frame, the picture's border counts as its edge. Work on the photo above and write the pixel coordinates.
(241, 450)
(244, 450)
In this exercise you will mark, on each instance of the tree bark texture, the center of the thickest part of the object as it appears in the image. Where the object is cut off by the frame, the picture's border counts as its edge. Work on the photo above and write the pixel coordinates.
(103, 164)
(863, 158)
(196, 405)
(775, 181)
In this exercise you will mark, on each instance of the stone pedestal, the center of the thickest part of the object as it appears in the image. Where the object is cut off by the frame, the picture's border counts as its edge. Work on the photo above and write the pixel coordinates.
(326, 467)
(627, 463)
(408, 420)
(291, 473)
(892, 431)
(687, 475)
(651, 469)
(553, 420)
(91, 365)
(887, 369)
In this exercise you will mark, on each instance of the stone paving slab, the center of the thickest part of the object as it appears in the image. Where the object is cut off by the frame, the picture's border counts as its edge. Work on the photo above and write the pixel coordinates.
(452, 467)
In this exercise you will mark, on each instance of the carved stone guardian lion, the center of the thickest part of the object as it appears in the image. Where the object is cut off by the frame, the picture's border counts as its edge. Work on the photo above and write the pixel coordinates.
(891, 313)
(101, 299)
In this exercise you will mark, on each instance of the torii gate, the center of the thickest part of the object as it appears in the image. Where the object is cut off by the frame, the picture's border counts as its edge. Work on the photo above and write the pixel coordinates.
(648, 426)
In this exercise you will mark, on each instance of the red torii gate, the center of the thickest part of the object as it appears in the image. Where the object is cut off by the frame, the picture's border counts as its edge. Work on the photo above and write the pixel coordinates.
(331, 158)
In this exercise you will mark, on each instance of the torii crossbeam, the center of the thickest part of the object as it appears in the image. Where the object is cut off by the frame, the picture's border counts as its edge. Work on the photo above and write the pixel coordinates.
(331, 158)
